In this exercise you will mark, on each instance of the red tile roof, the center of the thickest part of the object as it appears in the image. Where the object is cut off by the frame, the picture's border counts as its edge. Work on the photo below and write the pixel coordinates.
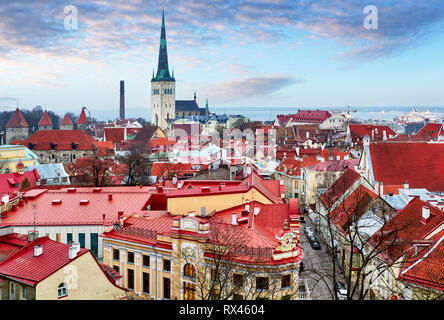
(64, 207)
(352, 208)
(114, 134)
(314, 116)
(25, 266)
(66, 120)
(17, 120)
(421, 164)
(82, 118)
(11, 182)
(426, 268)
(408, 226)
(361, 130)
(340, 187)
(45, 120)
(292, 167)
(429, 132)
(10, 244)
(334, 165)
(62, 138)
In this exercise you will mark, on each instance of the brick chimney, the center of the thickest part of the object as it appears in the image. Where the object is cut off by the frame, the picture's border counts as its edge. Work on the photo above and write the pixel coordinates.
(122, 99)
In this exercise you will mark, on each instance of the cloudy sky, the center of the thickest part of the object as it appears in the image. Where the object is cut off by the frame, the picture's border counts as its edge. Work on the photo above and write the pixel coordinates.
(263, 53)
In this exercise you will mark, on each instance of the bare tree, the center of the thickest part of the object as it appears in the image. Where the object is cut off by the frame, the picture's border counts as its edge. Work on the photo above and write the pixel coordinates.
(97, 168)
(138, 167)
(229, 269)
(351, 230)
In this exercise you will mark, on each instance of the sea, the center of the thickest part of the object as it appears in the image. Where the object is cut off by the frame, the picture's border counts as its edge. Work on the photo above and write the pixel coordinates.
(358, 113)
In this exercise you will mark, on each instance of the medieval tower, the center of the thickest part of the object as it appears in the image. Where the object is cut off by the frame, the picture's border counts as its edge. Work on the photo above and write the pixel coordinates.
(163, 86)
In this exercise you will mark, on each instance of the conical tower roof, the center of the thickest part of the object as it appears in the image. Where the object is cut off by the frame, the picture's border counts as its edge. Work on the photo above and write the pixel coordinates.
(66, 120)
(17, 120)
(82, 118)
(45, 120)
(163, 73)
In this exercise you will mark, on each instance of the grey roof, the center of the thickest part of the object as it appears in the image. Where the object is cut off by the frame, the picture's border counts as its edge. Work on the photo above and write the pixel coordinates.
(187, 105)
(49, 170)
(202, 118)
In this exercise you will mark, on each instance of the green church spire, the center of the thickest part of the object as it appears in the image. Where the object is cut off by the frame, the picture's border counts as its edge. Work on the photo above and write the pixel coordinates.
(163, 73)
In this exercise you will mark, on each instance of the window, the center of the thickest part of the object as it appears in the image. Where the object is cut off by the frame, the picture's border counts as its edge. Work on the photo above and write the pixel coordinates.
(261, 283)
(116, 268)
(146, 261)
(94, 244)
(189, 270)
(146, 283)
(69, 237)
(130, 279)
(24, 293)
(82, 240)
(131, 257)
(214, 274)
(166, 288)
(238, 280)
(286, 281)
(166, 265)
(189, 291)
(62, 290)
(12, 291)
(116, 254)
(58, 237)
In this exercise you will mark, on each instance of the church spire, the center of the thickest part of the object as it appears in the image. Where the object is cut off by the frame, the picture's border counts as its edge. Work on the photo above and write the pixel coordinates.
(163, 73)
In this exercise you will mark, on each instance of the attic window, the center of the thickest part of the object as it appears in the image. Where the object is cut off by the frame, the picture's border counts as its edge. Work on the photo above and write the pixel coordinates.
(74, 146)
(31, 146)
(53, 146)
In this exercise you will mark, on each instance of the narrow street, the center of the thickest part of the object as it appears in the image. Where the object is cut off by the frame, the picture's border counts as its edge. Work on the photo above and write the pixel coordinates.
(314, 260)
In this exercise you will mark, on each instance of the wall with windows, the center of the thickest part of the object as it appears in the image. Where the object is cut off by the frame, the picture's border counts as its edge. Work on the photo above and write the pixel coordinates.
(82, 279)
(88, 236)
(216, 202)
(171, 273)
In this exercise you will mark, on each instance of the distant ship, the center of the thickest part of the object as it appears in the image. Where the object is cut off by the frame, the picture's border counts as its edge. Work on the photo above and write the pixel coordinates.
(418, 116)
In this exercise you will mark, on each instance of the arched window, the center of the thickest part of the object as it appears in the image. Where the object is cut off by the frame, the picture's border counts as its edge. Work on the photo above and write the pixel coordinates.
(62, 290)
(189, 270)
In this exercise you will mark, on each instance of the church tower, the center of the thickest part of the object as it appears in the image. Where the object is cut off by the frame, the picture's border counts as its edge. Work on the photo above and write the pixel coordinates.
(163, 86)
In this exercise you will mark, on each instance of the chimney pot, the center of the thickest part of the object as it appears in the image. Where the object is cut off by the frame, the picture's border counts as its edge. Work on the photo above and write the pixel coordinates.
(425, 213)
(38, 250)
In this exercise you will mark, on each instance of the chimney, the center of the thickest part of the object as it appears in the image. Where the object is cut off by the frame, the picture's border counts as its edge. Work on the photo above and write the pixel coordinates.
(122, 99)
(73, 250)
(32, 235)
(110, 197)
(425, 213)
(38, 250)
(234, 219)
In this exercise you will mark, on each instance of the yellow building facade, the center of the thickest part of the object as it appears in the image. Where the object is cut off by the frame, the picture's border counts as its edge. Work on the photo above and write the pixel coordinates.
(11, 155)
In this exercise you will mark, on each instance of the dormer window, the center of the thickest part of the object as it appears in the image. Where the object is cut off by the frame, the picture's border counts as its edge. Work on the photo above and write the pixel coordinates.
(74, 146)
(52, 146)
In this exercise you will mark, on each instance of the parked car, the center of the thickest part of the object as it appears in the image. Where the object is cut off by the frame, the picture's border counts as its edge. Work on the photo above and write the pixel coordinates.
(309, 231)
(315, 245)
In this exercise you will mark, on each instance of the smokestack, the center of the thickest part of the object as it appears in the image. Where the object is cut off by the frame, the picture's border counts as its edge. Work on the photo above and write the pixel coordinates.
(122, 99)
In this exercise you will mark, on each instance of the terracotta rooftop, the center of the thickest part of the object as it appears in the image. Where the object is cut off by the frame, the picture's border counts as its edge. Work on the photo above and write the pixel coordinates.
(17, 120)
(419, 164)
(45, 120)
